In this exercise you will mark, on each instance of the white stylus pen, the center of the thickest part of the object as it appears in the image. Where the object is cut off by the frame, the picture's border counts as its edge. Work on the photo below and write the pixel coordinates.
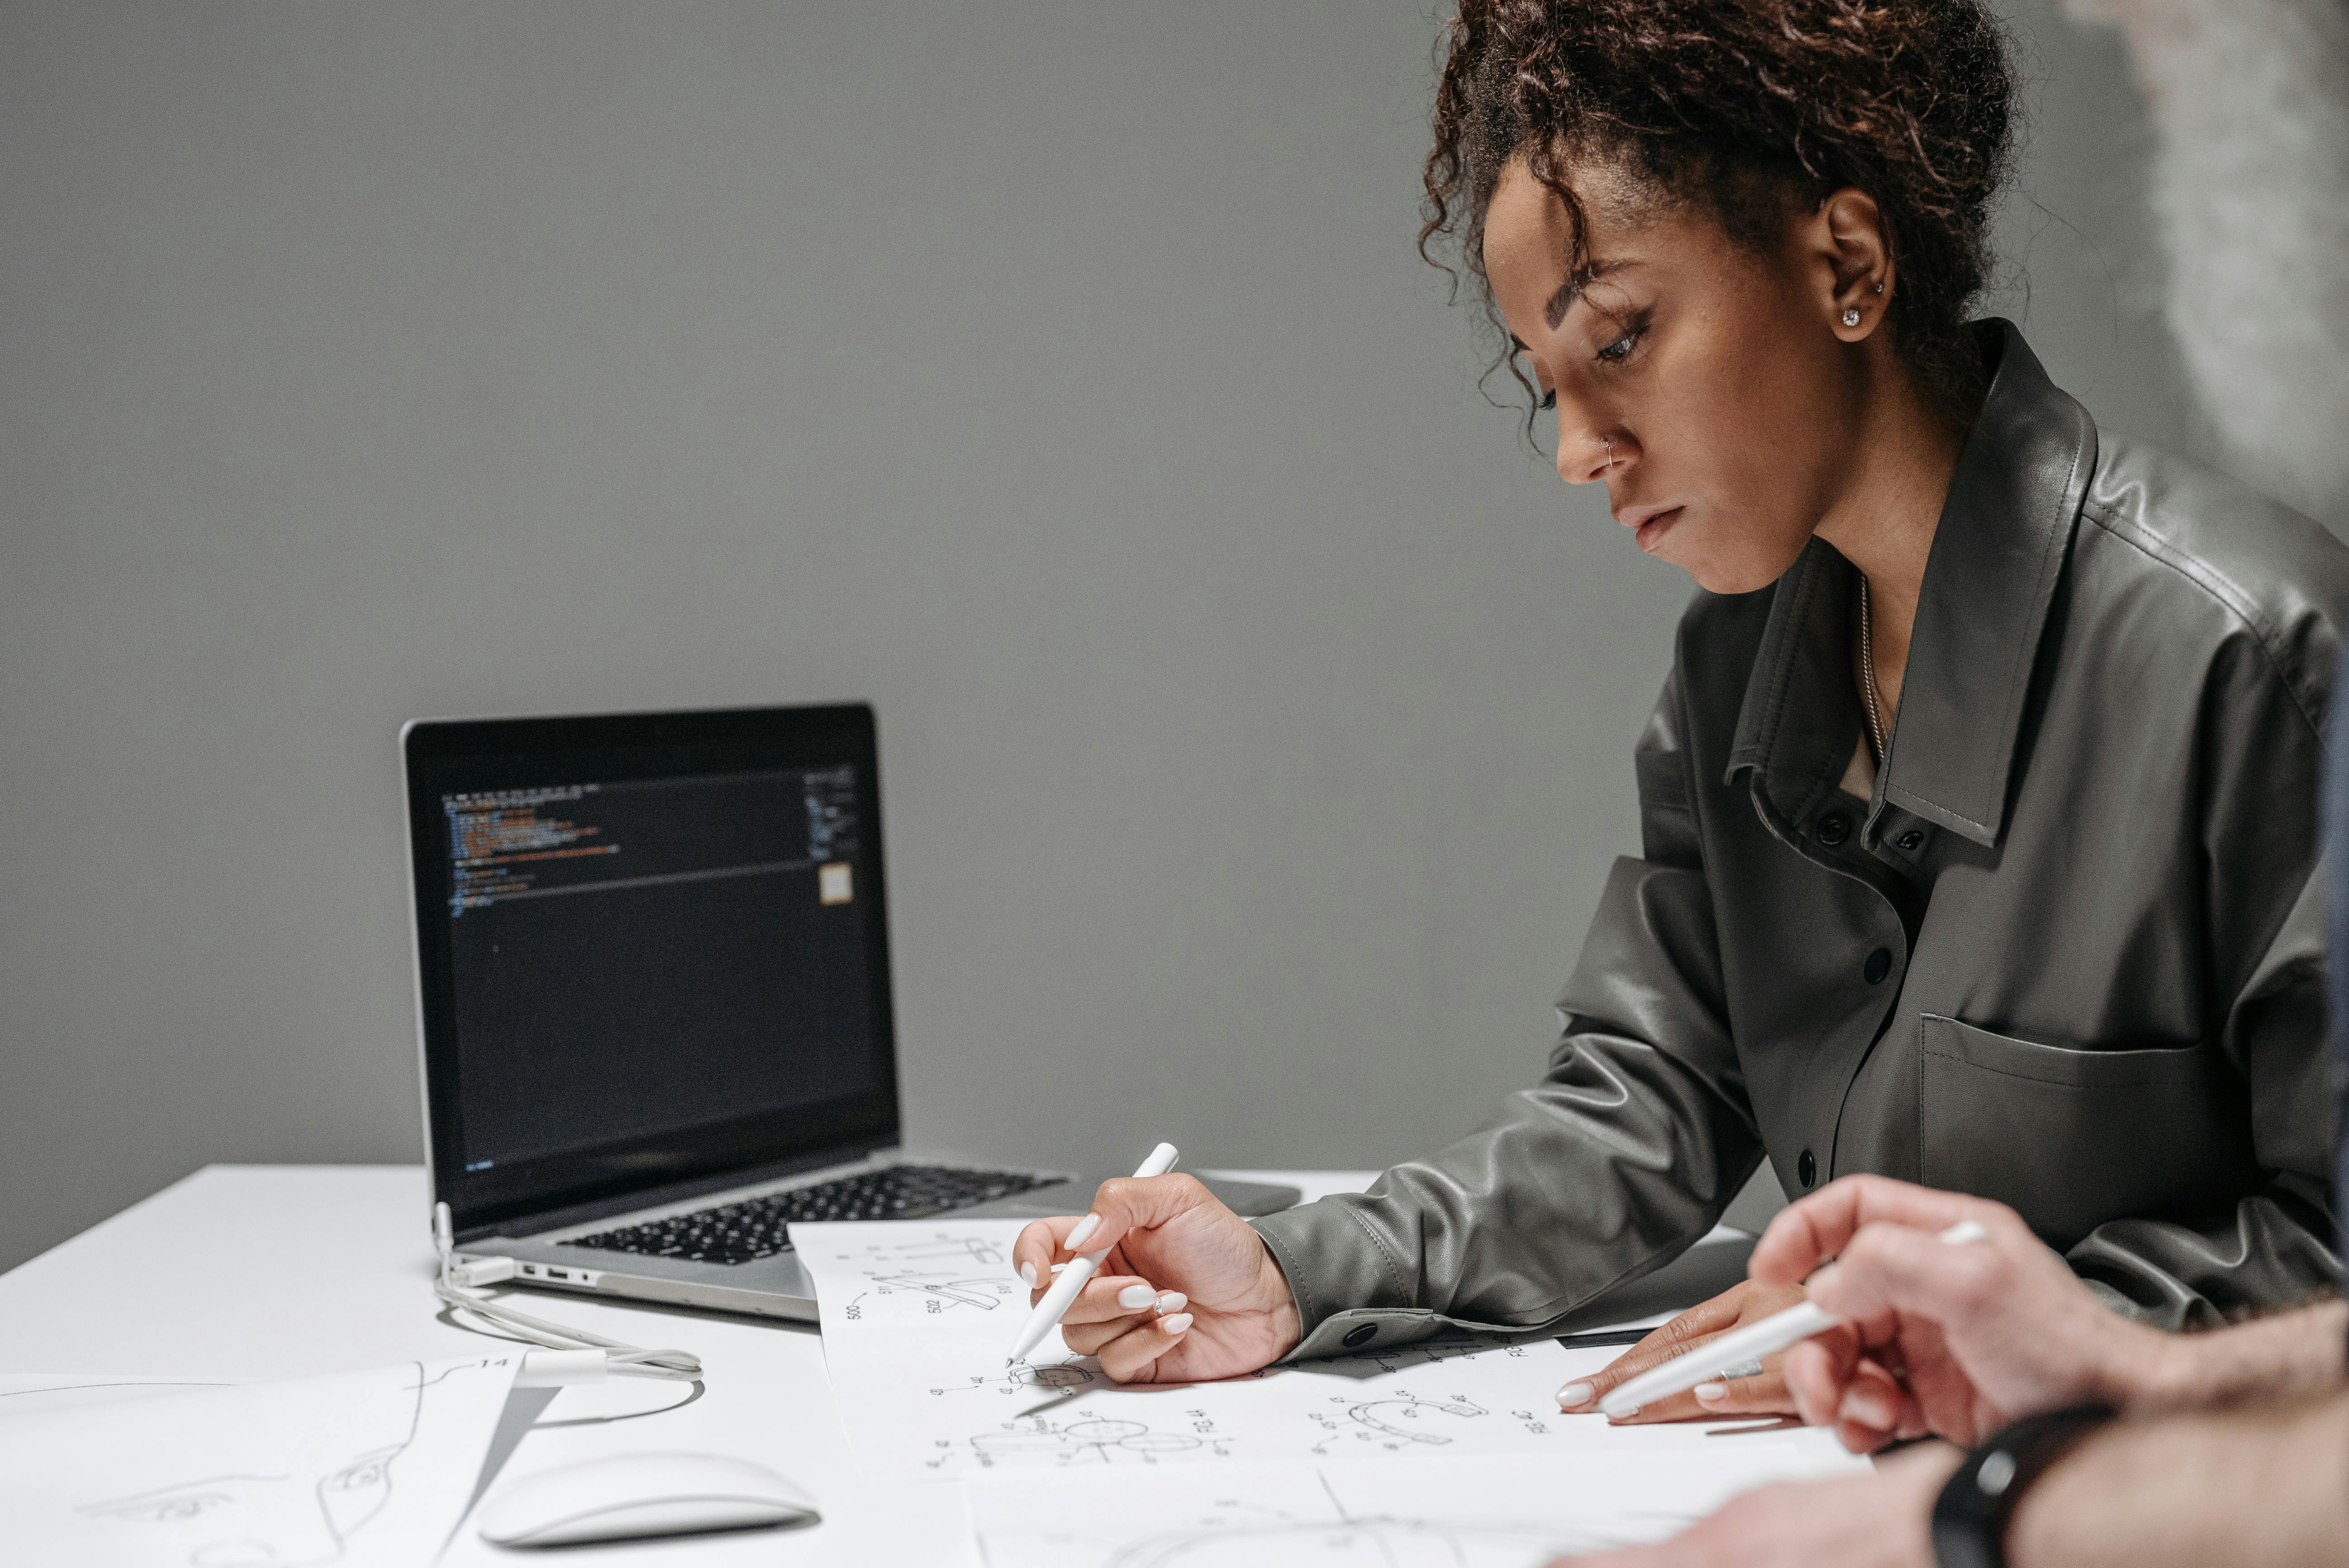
(1047, 1315)
(1767, 1337)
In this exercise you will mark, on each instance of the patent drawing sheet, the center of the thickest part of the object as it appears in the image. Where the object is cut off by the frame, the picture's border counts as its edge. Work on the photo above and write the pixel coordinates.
(353, 1468)
(917, 1318)
(1514, 1511)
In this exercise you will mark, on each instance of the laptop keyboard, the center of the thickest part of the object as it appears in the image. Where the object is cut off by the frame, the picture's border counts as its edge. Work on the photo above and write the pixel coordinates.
(753, 1229)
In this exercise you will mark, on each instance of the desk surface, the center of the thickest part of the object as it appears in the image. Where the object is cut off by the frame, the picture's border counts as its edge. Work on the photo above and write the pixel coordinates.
(282, 1271)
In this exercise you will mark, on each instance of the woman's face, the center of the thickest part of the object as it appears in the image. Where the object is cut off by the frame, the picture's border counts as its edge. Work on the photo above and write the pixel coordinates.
(1703, 384)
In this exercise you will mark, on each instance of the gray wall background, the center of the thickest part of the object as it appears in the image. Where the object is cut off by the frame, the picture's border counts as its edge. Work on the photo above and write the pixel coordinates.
(1058, 377)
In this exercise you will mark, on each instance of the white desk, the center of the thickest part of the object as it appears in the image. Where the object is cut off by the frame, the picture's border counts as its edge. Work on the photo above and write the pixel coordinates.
(181, 1285)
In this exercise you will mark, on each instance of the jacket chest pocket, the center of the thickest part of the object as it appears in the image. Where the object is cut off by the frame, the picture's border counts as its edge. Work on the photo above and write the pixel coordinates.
(2073, 1139)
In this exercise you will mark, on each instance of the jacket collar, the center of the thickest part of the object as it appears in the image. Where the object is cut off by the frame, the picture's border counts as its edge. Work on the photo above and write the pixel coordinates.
(1989, 582)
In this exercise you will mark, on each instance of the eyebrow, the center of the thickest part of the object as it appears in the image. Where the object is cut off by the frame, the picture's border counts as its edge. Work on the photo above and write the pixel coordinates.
(1572, 289)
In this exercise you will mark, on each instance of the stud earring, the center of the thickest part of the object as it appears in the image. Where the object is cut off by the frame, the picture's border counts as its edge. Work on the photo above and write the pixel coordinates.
(1879, 288)
(1851, 317)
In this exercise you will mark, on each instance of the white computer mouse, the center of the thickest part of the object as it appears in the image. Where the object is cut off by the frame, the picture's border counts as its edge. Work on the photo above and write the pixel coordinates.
(625, 1497)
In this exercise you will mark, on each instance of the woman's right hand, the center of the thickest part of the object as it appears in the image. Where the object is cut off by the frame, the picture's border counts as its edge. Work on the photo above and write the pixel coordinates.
(1167, 1236)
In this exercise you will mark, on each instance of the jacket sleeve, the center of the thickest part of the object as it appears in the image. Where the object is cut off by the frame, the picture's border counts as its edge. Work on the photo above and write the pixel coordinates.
(2263, 912)
(1622, 1156)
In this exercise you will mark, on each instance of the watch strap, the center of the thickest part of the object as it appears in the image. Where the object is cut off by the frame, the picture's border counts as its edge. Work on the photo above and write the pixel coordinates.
(1969, 1517)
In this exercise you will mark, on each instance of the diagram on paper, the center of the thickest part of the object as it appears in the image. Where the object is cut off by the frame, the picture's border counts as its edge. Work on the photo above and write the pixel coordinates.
(345, 1469)
(917, 1274)
(1399, 1405)
(1027, 1380)
(1378, 1540)
(919, 1318)
(1510, 1511)
(1069, 1440)
(1394, 1424)
(1058, 1415)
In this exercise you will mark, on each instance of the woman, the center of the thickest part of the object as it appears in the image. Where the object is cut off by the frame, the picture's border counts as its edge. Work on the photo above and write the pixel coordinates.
(1977, 808)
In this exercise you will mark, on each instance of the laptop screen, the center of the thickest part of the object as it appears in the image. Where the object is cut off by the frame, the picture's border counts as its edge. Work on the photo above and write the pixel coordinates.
(651, 948)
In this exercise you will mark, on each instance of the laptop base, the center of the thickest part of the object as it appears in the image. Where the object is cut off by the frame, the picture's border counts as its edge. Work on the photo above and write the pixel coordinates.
(777, 1287)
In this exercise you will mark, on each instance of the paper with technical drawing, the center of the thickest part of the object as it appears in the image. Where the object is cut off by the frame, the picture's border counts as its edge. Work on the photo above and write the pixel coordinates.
(1514, 1511)
(350, 1470)
(917, 1316)
(890, 1282)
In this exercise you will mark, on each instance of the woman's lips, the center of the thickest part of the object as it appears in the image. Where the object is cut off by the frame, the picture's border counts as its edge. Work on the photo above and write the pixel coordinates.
(1651, 530)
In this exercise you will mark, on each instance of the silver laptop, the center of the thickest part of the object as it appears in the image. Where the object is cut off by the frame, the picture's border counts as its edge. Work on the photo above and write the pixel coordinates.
(652, 956)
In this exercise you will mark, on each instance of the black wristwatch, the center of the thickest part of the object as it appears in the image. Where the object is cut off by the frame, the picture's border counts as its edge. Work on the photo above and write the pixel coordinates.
(1969, 1516)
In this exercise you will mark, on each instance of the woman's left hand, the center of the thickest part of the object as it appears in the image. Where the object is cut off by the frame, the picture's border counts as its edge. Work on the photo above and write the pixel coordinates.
(1762, 1395)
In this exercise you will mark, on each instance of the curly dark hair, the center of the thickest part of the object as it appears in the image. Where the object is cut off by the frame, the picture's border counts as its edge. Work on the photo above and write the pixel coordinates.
(1752, 107)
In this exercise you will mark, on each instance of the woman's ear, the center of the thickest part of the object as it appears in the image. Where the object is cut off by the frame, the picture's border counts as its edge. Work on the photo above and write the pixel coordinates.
(1846, 254)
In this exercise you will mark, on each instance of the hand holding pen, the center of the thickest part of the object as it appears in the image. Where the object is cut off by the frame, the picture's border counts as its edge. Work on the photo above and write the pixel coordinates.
(1073, 1275)
(1953, 1340)
(1705, 1365)
(1185, 1291)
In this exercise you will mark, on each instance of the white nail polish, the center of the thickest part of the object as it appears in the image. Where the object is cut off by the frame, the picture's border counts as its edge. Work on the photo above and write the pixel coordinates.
(1572, 1395)
(1176, 1323)
(1028, 1274)
(1136, 1295)
(1085, 1227)
(1057, 1267)
(1172, 1301)
(1710, 1393)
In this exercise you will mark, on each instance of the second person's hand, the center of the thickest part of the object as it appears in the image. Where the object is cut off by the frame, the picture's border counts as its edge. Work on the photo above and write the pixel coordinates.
(1188, 1292)
(1953, 1340)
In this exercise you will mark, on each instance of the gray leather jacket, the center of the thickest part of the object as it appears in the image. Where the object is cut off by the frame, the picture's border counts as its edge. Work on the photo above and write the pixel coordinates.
(2070, 955)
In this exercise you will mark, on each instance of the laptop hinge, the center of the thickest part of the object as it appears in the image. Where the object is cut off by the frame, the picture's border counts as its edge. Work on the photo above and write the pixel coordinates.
(519, 1225)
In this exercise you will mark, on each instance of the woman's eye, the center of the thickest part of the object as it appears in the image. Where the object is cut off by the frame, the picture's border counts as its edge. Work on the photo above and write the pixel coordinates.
(1620, 350)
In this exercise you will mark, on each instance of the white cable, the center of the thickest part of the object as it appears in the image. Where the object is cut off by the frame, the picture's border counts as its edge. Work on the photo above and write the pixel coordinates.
(621, 1359)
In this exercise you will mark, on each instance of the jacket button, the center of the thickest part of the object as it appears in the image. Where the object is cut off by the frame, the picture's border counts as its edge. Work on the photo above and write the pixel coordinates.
(1878, 964)
(1357, 1337)
(1910, 840)
(1806, 1169)
(1833, 828)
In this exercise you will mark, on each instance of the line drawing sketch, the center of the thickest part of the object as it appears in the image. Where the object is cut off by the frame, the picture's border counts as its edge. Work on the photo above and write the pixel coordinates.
(313, 1512)
(294, 1475)
(1090, 1440)
(934, 1268)
(983, 1293)
(1312, 1525)
(980, 1251)
(1369, 1541)
(961, 1249)
(917, 1357)
(1391, 1423)
(1030, 1378)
